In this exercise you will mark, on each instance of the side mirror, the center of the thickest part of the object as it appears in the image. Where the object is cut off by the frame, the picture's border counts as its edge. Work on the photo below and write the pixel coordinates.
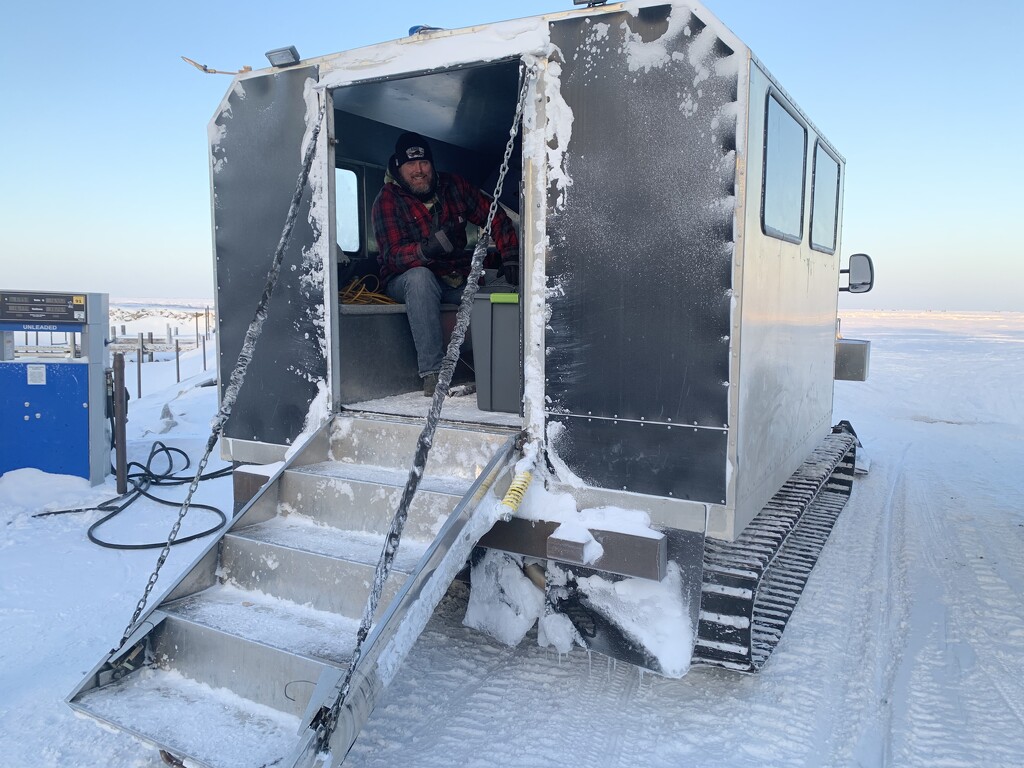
(861, 274)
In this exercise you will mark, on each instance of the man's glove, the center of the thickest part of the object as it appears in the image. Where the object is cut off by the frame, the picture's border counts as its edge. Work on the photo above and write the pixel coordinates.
(510, 270)
(437, 245)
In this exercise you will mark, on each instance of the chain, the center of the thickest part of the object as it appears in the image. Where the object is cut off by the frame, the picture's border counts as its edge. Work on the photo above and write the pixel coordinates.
(237, 375)
(530, 74)
(330, 720)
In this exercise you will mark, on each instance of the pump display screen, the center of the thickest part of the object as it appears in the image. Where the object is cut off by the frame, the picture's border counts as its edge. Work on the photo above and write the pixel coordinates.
(43, 307)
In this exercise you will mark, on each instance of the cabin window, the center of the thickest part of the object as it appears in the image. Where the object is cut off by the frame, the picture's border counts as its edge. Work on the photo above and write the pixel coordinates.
(346, 205)
(785, 152)
(824, 200)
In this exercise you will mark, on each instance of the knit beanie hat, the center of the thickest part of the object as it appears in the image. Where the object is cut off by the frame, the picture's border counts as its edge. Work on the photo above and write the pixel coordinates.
(411, 146)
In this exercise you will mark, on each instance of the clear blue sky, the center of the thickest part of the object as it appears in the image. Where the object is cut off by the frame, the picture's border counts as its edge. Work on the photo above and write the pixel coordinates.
(104, 184)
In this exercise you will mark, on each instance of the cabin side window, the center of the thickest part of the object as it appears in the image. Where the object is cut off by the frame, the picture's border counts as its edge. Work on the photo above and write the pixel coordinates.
(824, 200)
(785, 152)
(347, 210)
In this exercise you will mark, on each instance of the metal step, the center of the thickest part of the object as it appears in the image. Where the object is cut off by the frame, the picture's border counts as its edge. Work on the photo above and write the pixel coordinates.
(363, 498)
(257, 617)
(460, 452)
(266, 675)
(332, 570)
(153, 703)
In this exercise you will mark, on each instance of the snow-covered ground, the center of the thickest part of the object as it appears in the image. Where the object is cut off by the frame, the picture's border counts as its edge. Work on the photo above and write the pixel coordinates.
(907, 648)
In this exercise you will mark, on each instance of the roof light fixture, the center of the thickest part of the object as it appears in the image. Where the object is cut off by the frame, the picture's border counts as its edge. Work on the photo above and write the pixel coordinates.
(283, 57)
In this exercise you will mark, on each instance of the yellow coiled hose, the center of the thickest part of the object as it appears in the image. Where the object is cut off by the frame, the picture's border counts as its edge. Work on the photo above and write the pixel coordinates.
(514, 494)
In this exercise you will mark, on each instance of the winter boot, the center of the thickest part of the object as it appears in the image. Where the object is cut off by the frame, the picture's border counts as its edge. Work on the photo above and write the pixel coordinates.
(429, 384)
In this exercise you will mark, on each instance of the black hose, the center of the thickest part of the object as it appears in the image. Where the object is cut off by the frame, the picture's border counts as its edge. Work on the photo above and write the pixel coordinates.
(142, 478)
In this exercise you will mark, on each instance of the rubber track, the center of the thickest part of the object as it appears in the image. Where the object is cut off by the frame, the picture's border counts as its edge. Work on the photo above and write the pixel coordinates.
(752, 585)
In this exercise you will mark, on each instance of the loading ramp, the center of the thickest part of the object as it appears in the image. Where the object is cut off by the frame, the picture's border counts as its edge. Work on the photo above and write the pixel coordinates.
(245, 653)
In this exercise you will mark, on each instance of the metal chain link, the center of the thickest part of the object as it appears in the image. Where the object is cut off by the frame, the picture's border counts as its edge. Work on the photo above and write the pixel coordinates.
(330, 721)
(237, 374)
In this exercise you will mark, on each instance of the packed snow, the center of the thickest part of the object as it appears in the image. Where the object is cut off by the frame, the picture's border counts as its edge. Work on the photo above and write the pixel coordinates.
(906, 649)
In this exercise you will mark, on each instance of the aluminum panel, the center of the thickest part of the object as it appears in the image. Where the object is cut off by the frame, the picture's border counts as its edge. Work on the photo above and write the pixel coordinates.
(255, 162)
(640, 249)
(680, 462)
(786, 340)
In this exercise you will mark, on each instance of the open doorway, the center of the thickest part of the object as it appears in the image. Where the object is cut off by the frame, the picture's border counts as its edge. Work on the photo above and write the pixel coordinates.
(465, 114)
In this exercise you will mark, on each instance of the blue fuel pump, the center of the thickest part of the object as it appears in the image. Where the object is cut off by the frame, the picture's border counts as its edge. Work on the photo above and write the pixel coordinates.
(53, 410)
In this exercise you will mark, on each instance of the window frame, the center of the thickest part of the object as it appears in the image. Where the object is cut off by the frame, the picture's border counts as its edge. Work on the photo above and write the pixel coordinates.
(819, 144)
(774, 95)
(357, 171)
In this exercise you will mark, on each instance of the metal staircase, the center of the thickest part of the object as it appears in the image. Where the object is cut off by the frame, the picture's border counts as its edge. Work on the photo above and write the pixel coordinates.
(244, 653)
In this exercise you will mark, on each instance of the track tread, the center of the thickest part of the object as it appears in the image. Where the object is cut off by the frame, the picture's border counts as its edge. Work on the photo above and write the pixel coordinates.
(772, 560)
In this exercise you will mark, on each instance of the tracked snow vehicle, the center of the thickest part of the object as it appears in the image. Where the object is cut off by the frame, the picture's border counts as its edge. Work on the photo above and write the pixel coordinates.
(672, 359)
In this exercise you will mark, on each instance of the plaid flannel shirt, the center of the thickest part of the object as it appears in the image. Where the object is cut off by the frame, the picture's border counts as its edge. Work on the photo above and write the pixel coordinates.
(401, 223)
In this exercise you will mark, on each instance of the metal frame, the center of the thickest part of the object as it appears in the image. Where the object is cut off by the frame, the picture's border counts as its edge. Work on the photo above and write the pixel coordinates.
(751, 468)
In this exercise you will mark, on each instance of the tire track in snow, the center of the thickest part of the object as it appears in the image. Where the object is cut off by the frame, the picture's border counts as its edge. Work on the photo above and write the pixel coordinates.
(851, 619)
(891, 627)
(481, 692)
(599, 740)
(957, 668)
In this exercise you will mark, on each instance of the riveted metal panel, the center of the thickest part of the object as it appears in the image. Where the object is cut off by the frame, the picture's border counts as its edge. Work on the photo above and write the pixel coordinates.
(255, 160)
(680, 462)
(640, 252)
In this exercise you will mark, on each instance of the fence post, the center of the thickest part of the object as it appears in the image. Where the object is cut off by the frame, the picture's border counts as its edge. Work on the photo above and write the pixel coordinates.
(168, 333)
(207, 334)
(138, 369)
(204, 353)
(177, 362)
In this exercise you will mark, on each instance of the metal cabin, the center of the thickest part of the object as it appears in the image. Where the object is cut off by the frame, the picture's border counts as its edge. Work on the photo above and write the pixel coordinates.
(680, 225)
(675, 346)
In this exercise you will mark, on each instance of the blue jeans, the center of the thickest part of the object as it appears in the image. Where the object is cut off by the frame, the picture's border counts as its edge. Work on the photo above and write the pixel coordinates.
(423, 293)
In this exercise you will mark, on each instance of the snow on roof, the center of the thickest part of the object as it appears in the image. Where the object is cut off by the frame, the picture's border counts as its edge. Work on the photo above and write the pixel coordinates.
(484, 42)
